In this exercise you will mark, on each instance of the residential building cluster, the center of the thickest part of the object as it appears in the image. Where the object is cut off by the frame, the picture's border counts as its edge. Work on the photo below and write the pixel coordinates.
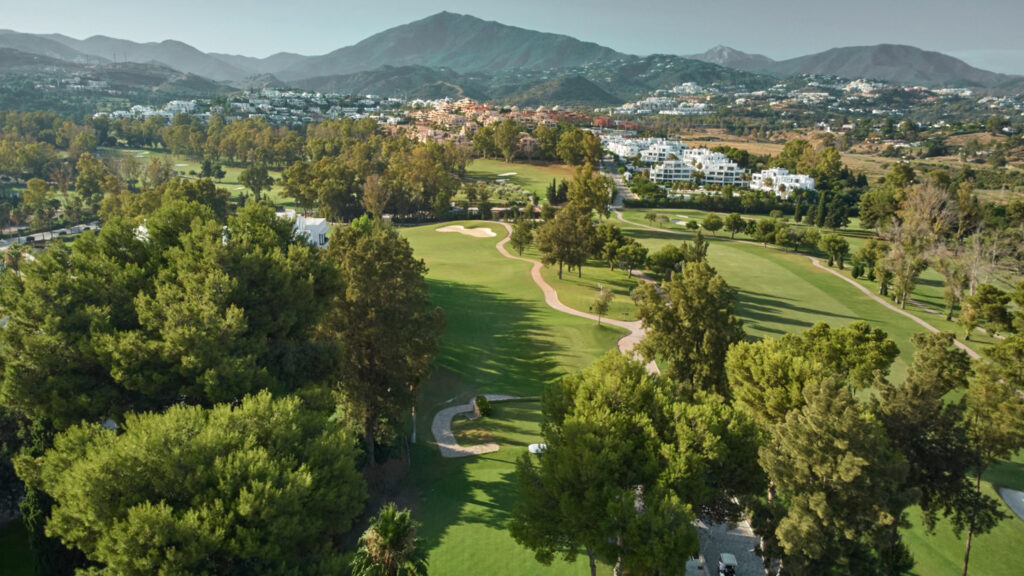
(457, 120)
(667, 105)
(168, 111)
(780, 181)
(670, 161)
(278, 107)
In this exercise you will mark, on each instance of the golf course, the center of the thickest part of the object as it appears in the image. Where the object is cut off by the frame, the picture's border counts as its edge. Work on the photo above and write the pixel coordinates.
(501, 338)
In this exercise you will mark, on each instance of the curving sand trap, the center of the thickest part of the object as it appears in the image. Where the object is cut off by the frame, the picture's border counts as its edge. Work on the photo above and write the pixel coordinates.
(474, 232)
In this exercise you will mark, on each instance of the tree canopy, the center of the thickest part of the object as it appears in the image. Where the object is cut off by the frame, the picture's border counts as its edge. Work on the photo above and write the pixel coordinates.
(257, 488)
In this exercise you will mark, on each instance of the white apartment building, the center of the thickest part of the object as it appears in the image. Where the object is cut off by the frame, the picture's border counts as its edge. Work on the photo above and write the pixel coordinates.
(622, 147)
(662, 151)
(675, 162)
(716, 167)
(672, 171)
(780, 181)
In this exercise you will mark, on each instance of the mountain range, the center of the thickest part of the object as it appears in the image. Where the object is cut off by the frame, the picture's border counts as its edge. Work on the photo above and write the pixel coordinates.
(895, 63)
(454, 54)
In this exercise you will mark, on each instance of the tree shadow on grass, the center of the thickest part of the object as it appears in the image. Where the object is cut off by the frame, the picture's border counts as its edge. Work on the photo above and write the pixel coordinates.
(491, 344)
(767, 313)
(1006, 475)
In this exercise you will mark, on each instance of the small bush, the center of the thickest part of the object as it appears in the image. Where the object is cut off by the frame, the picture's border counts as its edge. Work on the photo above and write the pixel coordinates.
(858, 270)
(484, 405)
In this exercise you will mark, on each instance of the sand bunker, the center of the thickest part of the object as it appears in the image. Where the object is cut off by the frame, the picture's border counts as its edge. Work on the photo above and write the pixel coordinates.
(474, 232)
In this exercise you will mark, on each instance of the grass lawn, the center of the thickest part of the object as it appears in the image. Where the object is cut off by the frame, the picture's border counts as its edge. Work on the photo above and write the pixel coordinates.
(15, 556)
(533, 177)
(184, 165)
(499, 337)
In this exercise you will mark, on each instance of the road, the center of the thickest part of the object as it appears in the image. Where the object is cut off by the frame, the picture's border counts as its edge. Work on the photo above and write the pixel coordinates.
(49, 235)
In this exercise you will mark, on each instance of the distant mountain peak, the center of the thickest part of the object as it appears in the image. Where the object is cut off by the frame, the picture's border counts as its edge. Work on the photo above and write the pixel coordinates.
(464, 43)
(897, 63)
(733, 58)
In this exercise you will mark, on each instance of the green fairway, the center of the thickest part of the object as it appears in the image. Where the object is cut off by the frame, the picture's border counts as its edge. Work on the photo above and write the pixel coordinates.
(753, 268)
(15, 555)
(184, 166)
(780, 292)
(499, 337)
(533, 177)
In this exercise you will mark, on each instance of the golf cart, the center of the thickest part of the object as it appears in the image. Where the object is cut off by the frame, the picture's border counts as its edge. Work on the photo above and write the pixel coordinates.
(726, 564)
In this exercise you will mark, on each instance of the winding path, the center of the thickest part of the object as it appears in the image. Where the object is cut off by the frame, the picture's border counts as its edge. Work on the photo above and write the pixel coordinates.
(626, 343)
(441, 428)
(817, 263)
(890, 306)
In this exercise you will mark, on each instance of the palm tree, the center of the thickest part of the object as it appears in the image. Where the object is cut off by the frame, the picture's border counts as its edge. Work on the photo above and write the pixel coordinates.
(389, 547)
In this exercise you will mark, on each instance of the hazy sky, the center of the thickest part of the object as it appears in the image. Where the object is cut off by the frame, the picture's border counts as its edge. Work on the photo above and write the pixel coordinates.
(986, 33)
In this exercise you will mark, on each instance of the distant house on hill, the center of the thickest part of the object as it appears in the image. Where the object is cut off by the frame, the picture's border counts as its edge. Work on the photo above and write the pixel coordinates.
(314, 229)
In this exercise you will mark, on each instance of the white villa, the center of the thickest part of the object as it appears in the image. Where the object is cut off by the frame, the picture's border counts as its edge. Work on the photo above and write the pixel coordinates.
(315, 230)
(780, 181)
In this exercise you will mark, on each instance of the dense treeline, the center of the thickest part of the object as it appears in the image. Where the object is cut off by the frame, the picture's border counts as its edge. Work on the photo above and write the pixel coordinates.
(339, 169)
(194, 329)
(560, 143)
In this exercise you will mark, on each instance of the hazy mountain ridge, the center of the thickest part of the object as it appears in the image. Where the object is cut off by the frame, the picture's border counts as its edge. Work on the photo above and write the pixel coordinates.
(462, 43)
(44, 46)
(406, 81)
(178, 55)
(454, 55)
(895, 63)
(125, 75)
(258, 66)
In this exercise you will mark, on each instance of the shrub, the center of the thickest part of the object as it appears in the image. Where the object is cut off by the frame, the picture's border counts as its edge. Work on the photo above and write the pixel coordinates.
(484, 405)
